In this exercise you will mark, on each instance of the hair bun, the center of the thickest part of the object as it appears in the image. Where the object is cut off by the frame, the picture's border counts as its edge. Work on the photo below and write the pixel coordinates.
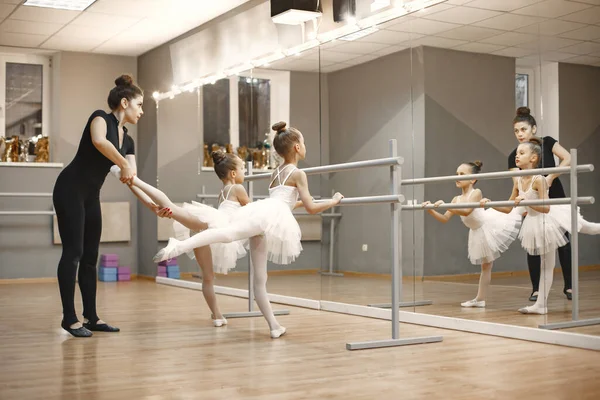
(279, 126)
(218, 156)
(124, 80)
(478, 164)
(535, 140)
(523, 111)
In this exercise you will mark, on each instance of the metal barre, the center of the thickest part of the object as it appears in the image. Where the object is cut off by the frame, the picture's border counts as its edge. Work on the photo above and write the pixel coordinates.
(368, 200)
(550, 202)
(216, 196)
(497, 175)
(23, 194)
(324, 169)
(27, 213)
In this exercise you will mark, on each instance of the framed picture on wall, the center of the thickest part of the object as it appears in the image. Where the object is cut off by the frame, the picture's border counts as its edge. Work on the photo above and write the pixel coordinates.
(522, 89)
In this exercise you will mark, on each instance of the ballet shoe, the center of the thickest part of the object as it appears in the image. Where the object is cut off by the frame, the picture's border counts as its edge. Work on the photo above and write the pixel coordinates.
(277, 333)
(473, 304)
(533, 310)
(568, 294)
(116, 171)
(100, 327)
(78, 332)
(167, 252)
(533, 296)
(218, 322)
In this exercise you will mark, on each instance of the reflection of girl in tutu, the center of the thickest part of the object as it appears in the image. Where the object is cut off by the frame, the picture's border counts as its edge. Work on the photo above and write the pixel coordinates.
(490, 232)
(197, 217)
(273, 231)
(544, 227)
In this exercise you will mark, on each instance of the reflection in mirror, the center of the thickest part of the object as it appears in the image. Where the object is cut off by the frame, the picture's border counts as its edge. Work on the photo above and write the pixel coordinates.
(237, 114)
(366, 89)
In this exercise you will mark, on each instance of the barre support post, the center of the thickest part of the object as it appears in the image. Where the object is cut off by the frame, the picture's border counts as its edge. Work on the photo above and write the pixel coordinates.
(396, 261)
(575, 321)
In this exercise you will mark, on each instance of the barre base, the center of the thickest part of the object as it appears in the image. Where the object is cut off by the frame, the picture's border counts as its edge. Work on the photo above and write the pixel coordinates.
(570, 324)
(378, 344)
(404, 304)
(247, 314)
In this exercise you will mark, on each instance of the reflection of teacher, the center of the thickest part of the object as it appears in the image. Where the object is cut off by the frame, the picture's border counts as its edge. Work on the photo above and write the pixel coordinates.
(76, 200)
(525, 128)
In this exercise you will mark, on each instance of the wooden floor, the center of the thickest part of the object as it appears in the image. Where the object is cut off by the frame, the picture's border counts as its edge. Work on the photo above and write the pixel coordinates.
(506, 296)
(168, 350)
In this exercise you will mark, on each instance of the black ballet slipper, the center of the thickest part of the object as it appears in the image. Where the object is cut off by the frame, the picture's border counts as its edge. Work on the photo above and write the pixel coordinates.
(100, 327)
(568, 294)
(79, 332)
(533, 296)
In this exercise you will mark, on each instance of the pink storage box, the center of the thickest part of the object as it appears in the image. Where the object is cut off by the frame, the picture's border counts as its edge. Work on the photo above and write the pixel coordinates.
(109, 263)
(109, 257)
(124, 271)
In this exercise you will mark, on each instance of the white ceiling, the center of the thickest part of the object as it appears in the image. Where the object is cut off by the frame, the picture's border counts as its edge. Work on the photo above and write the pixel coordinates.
(123, 27)
(559, 30)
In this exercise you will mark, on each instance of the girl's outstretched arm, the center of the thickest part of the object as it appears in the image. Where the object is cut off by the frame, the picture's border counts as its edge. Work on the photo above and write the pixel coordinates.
(513, 196)
(443, 218)
(307, 200)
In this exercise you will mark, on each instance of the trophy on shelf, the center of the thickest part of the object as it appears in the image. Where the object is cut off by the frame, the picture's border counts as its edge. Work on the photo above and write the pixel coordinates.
(207, 162)
(11, 150)
(243, 153)
(42, 152)
(229, 148)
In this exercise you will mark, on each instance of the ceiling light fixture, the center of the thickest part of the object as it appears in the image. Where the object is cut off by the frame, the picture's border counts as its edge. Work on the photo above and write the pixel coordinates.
(74, 5)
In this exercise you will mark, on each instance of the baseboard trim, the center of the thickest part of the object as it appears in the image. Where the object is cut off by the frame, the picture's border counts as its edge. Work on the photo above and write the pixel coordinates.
(18, 281)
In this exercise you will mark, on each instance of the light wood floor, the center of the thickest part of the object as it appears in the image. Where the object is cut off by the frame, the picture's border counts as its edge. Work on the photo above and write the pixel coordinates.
(506, 296)
(168, 350)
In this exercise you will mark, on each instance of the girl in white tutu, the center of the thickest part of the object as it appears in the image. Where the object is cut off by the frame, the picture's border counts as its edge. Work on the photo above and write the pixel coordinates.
(219, 257)
(544, 227)
(274, 232)
(490, 232)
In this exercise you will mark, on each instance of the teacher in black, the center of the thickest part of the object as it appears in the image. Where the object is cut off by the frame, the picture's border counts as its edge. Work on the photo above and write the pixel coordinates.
(76, 199)
(525, 127)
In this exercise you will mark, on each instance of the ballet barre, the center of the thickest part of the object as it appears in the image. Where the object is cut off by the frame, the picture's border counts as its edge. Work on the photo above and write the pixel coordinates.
(497, 175)
(27, 213)
(24, 194)
(573, 201)
(325, 169)
(548, 202)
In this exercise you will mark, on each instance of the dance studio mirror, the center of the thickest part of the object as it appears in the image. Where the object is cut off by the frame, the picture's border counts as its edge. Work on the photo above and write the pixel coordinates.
(235, 115)
(367, 101)
(446, 82)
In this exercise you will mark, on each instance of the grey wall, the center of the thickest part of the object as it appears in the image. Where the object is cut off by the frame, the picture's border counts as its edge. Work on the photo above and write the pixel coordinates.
(370, 104)
(80, 85)
(469, 107)
(579, 102)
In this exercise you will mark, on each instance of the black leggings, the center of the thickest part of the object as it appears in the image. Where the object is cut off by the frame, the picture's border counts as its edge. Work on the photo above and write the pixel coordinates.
(80, 226)
(564, 255)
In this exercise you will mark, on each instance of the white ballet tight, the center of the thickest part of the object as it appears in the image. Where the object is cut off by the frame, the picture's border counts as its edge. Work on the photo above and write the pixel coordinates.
(204, 260)
(546, 277)
(484, 281)
(258, 254)
(237, 230)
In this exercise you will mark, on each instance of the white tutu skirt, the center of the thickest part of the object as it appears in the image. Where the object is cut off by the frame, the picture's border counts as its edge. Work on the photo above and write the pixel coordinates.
(279, 225)
(224, 255)
(494, 236)
(544, 233)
